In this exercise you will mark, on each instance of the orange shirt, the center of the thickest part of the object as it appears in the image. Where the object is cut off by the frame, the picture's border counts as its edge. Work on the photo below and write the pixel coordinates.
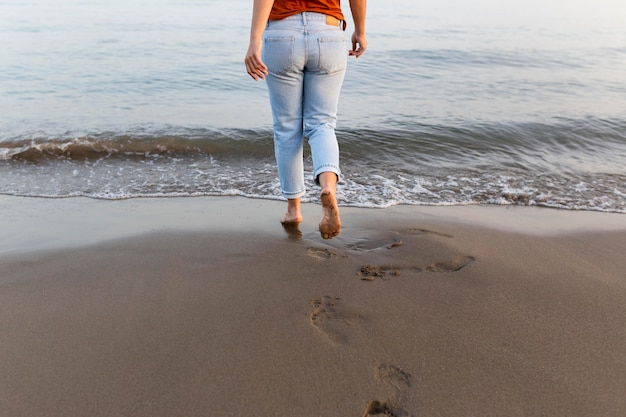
(286, 8)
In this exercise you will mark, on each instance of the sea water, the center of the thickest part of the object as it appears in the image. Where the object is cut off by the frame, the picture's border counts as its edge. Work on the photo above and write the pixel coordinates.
(455, 102)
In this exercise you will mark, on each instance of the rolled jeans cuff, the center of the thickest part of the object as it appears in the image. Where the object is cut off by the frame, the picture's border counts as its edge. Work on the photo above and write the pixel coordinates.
(326, 168)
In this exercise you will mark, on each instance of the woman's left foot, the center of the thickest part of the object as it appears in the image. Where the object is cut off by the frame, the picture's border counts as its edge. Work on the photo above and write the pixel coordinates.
(330, 225)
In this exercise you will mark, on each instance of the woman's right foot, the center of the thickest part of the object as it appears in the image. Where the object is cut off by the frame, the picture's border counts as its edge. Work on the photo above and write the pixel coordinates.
(289, 218)
(293, 215)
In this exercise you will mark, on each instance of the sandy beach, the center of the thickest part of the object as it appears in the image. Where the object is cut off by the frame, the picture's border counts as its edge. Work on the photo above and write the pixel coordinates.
(208, 307)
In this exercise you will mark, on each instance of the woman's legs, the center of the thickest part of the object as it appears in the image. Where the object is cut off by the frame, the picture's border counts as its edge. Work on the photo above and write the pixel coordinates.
(306, 72)
(282, 50)
(323, 78)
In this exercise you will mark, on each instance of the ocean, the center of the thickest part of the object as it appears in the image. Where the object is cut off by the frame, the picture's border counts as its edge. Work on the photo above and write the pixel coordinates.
(455, 102)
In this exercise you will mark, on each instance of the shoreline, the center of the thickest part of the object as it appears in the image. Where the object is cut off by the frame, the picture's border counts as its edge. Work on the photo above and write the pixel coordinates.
(76, 221)
(206, 306)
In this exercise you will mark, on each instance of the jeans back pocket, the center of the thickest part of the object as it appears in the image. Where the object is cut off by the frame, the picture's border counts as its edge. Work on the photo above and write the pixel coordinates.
(333, 54)
(278, 53)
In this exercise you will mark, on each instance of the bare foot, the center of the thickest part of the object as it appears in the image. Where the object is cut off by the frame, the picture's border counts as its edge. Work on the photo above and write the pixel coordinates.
(330, 225)
(291, 219)
(293, 215)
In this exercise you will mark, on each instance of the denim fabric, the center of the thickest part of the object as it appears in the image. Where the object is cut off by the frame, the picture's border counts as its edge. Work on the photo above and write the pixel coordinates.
(306, 60)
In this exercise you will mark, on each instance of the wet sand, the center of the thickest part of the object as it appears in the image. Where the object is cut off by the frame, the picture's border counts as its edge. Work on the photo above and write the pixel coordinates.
(208, 307)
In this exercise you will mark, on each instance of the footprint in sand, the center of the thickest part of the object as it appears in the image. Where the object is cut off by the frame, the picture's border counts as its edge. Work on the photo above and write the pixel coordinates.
(330, 317)
(453, 265)
(319, 253)
(395, 376)
(369, 245)
(400, 381)
(376, 408)
(385, 272)
(427, 232)
(372, 272)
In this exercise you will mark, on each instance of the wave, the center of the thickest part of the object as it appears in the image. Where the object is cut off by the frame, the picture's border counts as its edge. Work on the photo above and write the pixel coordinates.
(569, 164)
(111, 145)
(563, 146)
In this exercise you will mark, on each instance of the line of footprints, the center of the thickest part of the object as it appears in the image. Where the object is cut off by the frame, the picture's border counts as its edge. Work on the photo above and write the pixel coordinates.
(329, 317)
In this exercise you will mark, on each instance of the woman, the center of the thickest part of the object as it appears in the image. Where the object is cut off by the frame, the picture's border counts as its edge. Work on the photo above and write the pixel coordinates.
(297, 46)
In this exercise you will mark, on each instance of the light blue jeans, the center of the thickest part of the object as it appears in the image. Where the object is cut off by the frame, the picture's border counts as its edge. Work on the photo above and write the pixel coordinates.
(306, 60)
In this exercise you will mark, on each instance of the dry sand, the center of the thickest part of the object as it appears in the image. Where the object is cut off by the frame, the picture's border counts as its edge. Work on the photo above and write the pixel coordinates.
(207, 307)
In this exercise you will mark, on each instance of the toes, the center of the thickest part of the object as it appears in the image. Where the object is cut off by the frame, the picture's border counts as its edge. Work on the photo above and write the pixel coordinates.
(326, 235)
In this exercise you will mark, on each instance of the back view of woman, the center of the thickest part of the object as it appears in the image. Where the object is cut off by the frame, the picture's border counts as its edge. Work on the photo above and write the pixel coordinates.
(298, 47)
